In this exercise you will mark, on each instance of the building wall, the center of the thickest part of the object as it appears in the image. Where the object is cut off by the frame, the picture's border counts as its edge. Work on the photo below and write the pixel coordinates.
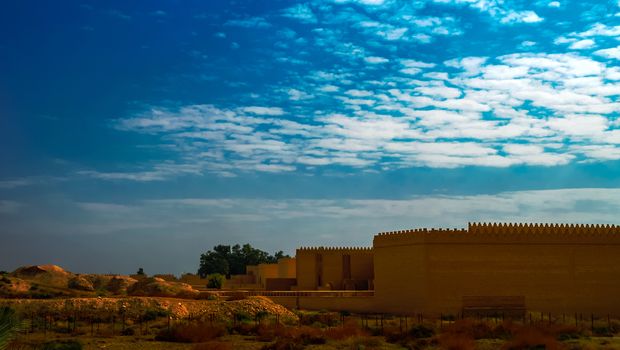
(287, 268)
(351, 304)
(558, 269)
(264, 272)
(279, 284)
(324, 268)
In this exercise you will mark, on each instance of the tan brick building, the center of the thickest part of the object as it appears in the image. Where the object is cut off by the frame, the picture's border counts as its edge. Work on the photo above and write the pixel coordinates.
(497, 267)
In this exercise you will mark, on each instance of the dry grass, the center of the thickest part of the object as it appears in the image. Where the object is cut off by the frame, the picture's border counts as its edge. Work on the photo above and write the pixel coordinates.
(533, 338)
(214, 345)
(195, 332)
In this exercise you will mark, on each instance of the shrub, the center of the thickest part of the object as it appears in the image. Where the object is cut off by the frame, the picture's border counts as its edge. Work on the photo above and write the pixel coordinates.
(363, 342)
(213, 345)
(153, 314)
(128, 331)
(197, 332)
(215, 280)
(284, 344)
(206, 296)
(242, 316)
(473, 329)
(9, 326)
(421, 331)
(532, 338)
(348, 330)
(63, 345)
(457, 342)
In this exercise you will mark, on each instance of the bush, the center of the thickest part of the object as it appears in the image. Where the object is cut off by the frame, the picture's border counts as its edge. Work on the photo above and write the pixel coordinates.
(213, 345)
(242, 316)
(128, 331)
(63, 345)
(215, 280)
(421, 331)
(284, 344)
(191, 333)
(153, 314)
(532, 338)
(9, 325)
(457, 342)
(348, 330)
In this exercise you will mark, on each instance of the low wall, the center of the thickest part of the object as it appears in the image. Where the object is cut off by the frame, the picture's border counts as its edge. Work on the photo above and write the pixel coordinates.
(362, 304)
(280, 284)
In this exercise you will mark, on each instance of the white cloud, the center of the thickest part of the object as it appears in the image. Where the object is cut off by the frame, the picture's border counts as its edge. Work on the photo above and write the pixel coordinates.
(250, 22)
(329, 88)
(554, 4)
(376, 60)
(301, 12)
(521, 17)
(358, 93)
(582, 44)
(297, 95)
(392, 34)
(498, 10)
(264, 110)
(515, 109)
(613, 52)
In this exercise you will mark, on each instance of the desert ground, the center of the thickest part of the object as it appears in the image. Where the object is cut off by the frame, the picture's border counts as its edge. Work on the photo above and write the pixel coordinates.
(57, 309)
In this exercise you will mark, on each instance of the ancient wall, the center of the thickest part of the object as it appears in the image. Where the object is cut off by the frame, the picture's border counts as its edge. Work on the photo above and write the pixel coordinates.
(362, 304)
(556, 268)
(280, 284)
(264, 272)
(334, 268)
(287, 268)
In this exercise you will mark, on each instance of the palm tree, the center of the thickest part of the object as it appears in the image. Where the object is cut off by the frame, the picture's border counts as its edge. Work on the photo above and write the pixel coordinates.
(9, 325)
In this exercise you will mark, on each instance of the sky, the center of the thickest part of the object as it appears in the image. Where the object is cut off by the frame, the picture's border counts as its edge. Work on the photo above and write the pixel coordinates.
(143, 133)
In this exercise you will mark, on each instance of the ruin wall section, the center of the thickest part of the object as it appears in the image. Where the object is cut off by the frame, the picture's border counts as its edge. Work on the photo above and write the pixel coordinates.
(325, 268)
(556, 268)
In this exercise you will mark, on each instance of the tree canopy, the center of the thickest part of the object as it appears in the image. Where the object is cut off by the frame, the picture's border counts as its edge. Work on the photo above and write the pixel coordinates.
(228, 260)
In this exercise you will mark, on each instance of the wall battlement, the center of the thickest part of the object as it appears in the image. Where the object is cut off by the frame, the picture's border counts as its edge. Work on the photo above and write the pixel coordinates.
(505, 233)
(333, 249)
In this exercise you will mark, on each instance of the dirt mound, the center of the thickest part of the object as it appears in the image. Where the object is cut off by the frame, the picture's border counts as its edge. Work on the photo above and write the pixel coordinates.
(120, 284)
(50, 275)
(52, 280)
(155, 286)
(81, 283)
(133, 307)
(11, 286)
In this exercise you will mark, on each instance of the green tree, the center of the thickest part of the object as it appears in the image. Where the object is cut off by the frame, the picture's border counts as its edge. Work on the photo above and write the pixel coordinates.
(215, 261)
(227, 260)
(215, 280)
(140, 272)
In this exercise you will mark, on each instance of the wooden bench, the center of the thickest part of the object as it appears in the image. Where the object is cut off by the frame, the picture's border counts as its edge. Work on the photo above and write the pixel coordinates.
(494, 306)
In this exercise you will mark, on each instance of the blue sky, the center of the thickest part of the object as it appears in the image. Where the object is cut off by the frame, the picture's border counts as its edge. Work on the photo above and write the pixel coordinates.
(143, 133)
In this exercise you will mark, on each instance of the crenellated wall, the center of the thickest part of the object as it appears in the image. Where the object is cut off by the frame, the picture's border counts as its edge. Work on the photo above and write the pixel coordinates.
(334, 268)
(556, 268)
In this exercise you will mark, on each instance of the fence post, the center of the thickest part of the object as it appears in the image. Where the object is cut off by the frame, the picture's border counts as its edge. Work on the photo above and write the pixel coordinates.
(608, 323)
